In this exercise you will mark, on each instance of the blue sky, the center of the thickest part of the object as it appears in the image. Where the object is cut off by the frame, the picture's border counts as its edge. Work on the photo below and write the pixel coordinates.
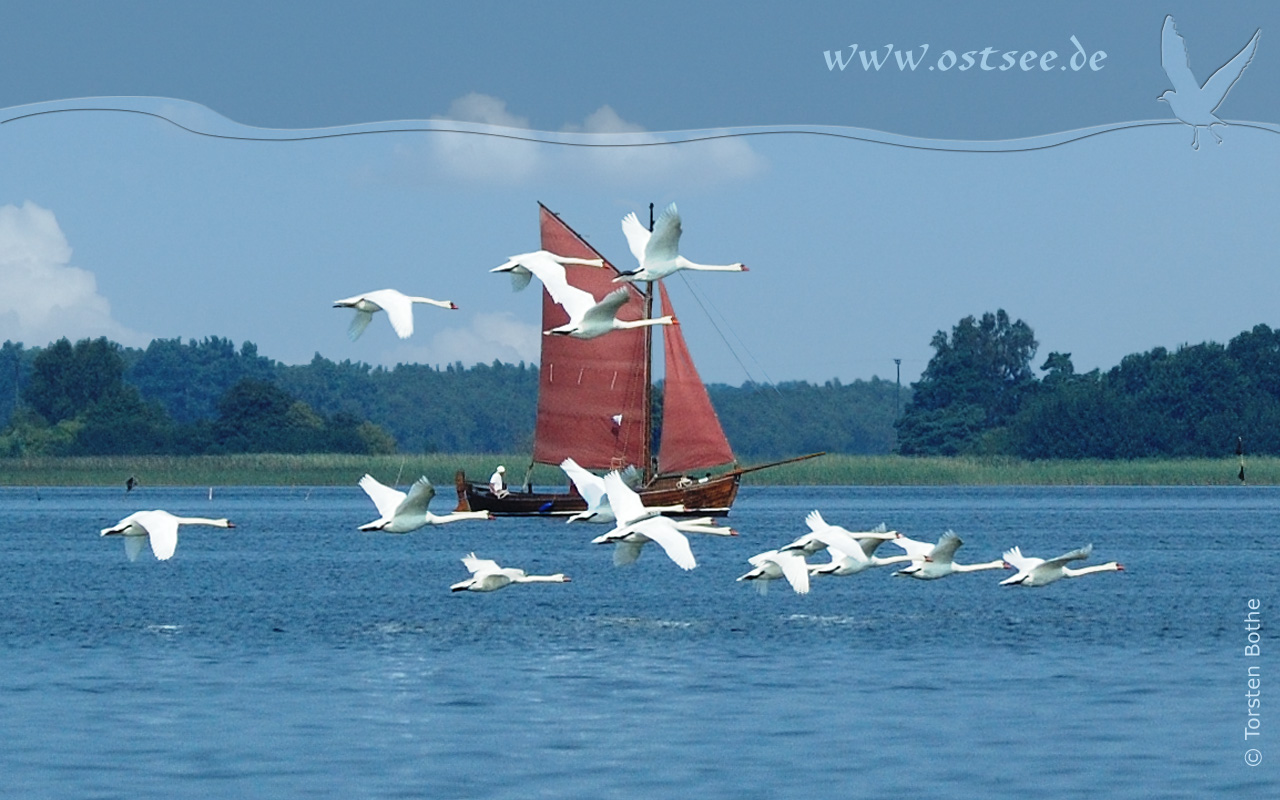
(124, 224)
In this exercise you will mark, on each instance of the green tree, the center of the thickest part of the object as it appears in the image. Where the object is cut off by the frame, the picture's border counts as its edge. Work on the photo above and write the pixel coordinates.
(976, 380)
(66, 380)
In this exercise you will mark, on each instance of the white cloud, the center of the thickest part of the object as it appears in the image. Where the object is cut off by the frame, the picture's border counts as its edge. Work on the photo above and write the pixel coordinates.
(723, 157)
(43, 297)
(486, 156)
(640, 156)
(489, 336)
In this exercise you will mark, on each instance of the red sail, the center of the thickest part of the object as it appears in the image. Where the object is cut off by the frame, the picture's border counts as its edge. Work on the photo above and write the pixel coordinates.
(691, 434)
(591, 393)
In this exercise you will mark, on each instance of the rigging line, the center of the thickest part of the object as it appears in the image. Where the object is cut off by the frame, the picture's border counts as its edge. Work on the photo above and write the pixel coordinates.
(725, 339)
(732, 331)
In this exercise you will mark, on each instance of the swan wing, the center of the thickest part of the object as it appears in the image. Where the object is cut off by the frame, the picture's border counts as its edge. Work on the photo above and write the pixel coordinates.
(399, 310)
(588, 484)
(626, 553)
(575, 301)
(133, 546)
(637, 236)
(840, 540)
(815, 521)
(162, 530)
(664, 532)
(520, 275)
(384, 498)
(1078, 554)
(945, 549)
(915, 549)
(626, 504)
(358, 323)
(795, 570)
(419, 497)
(605, 311)
(477, 565)
(1020, 562)
(664, 242)
(868, 546)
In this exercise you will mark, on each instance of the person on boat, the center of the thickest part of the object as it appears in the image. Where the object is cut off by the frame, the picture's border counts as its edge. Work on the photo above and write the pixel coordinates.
(498, 483)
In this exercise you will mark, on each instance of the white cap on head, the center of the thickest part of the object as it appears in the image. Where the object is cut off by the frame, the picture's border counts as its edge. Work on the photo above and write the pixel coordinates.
(501, 468)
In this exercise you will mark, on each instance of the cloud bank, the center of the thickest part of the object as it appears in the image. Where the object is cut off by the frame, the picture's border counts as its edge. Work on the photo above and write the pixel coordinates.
(42, 297)
(497, 156)
(490, 336)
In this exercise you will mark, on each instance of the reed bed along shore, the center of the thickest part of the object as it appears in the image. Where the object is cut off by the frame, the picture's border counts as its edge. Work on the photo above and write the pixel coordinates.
(831, 470)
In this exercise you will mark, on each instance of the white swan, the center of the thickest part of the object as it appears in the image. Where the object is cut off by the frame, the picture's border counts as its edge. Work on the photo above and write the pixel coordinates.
(591, 487)
(638, 524)
(487, 576)
(862, 558)
(630, 538)
(1040, 571)
(520, 273)
(401, 513)
(821, 535)
(774, 564)
(159, 527)
(938, 563)
(658, 252)
(399, 308)
(587, 318)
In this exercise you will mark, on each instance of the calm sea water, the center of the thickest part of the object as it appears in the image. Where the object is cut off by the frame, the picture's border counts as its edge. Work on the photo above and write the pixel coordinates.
(295, 656)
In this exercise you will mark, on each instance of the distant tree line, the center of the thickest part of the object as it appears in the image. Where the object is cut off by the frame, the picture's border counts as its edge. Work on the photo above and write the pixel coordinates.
(979, 395)
(208, 396)
(77, 400)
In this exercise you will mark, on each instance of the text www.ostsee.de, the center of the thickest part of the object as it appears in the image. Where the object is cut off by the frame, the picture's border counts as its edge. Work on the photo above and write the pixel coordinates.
(988, 59)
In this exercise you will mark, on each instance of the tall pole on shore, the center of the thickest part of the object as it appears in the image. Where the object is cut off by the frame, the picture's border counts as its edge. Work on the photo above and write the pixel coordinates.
(897, 397)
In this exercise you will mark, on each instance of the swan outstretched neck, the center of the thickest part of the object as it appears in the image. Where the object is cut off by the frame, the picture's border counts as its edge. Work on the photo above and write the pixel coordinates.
(399, 308)
(402, 513)
(658, 252)
(938, 563)
(487, 576)
(520, 273)
(1040, 572)
(160, 528)
(822, 535)
(589, 321)
(587, 318)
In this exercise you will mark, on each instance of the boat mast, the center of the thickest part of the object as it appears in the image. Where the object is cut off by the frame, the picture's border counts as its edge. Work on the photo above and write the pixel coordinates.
(649, 472)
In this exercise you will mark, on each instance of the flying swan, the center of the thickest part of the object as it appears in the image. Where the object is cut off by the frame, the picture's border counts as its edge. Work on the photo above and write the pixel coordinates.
(401, 513)
(1040, 572)
(822, 534)
(487, 576)
(159, 527)
(938, 563)
(774, 564)
(399, 308)
(657, 252)
(587, 318)
(638, 524)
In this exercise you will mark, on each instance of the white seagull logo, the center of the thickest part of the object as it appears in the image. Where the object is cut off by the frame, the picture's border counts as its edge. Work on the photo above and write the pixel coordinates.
(1192, 103)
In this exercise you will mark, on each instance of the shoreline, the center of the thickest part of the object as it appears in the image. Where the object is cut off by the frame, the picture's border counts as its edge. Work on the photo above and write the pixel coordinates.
(268, 469)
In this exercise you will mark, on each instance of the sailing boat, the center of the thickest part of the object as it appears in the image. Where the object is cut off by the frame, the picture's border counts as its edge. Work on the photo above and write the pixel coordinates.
(595, 405)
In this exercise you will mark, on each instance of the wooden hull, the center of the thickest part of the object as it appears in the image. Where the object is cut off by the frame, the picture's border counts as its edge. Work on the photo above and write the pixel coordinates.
(714, 497)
